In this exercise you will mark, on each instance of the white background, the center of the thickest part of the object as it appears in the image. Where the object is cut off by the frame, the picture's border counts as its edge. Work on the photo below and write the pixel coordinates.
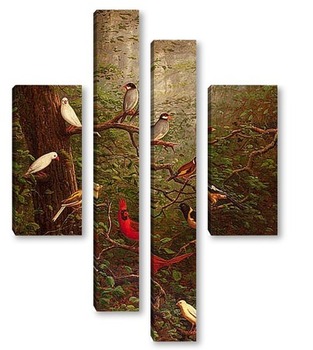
(253, 292)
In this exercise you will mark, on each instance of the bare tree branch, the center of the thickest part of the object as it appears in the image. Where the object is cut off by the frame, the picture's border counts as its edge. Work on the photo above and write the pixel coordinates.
(232, 134)
(131, 135)
(184, 247)
(248, 167)
(165, 144)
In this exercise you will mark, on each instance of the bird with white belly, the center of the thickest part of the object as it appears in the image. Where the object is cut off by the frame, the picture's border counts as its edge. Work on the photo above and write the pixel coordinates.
(41, 163)
(69, 114)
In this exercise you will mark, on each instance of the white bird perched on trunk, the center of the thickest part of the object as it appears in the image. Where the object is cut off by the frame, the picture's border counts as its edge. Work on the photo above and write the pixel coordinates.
(41, 163)
(74, 200)
(188, 312)
(69, 114)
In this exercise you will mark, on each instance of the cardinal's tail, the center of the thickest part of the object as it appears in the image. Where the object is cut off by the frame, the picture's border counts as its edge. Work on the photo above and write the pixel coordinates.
(179, 258)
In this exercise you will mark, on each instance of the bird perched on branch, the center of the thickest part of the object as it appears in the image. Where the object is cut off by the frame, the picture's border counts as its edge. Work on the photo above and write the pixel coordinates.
(130, 102)
(216, 194)
(185, 171)
(161, 127)
(189, 214)
(41, 163)
(73, 201)
(188, 312)
(69, 114)
(158, 263)
(96, 190)
(129, 228)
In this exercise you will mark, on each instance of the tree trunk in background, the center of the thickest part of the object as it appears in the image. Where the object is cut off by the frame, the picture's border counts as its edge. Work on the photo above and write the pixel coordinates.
(44, 129)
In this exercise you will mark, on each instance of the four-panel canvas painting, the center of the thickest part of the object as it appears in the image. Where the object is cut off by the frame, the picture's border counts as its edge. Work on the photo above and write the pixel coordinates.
(242, 168)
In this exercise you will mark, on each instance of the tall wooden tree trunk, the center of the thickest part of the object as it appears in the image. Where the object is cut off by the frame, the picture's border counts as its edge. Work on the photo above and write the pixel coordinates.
(45, 131)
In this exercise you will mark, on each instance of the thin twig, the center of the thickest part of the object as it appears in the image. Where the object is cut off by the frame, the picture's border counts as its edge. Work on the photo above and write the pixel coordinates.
(183, 248)
(252, 156)
(165, 144)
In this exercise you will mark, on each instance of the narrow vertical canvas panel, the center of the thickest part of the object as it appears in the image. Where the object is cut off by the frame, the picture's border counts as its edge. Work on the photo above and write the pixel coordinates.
(47, 160)
(116, 160)
(173, 190)
(242, 188)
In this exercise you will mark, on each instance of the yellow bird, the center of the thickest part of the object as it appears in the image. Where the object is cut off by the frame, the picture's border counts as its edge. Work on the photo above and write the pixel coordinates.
(96, 190)
(74, 200)
(188, 312)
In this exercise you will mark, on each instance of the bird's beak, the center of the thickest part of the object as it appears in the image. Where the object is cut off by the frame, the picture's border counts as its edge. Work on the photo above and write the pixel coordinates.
(170, 117)
(57, 158)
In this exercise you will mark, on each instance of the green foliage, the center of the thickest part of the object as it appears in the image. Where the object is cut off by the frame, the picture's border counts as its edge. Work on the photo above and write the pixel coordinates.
(168, 324)
(174, 93)
(244, 108)
(23, 188)
(116, 163)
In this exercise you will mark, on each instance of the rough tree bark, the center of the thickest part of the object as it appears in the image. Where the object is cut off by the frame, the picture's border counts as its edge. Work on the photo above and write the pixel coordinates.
(44, 129)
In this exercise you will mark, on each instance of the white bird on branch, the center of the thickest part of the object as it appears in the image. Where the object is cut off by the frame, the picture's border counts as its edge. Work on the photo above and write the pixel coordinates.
(41, 163)
(188, 312)
(69, 114)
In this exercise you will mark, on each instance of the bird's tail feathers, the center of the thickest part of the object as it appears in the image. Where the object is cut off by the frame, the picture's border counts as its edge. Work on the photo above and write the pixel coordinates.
(234, 201)
(179, 258)
(58, 213)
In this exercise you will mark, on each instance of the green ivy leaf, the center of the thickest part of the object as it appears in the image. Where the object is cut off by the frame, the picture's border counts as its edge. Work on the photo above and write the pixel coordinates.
(119, 291)
(110, 281)
(176, 275)
(169, 251)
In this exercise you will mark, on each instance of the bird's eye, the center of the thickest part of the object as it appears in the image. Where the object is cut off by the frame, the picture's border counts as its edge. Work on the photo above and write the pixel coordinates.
(124, 214)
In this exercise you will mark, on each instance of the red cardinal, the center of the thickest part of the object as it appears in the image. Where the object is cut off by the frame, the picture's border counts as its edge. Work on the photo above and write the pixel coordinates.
(128, 227)
(157, 263)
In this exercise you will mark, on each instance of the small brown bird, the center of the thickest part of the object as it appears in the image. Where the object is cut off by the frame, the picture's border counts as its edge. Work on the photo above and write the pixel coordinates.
(216, 194)
(185, 171)
(161, 127)
(188, 312)
(130, 102)
(73, 201)
(189, 214)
